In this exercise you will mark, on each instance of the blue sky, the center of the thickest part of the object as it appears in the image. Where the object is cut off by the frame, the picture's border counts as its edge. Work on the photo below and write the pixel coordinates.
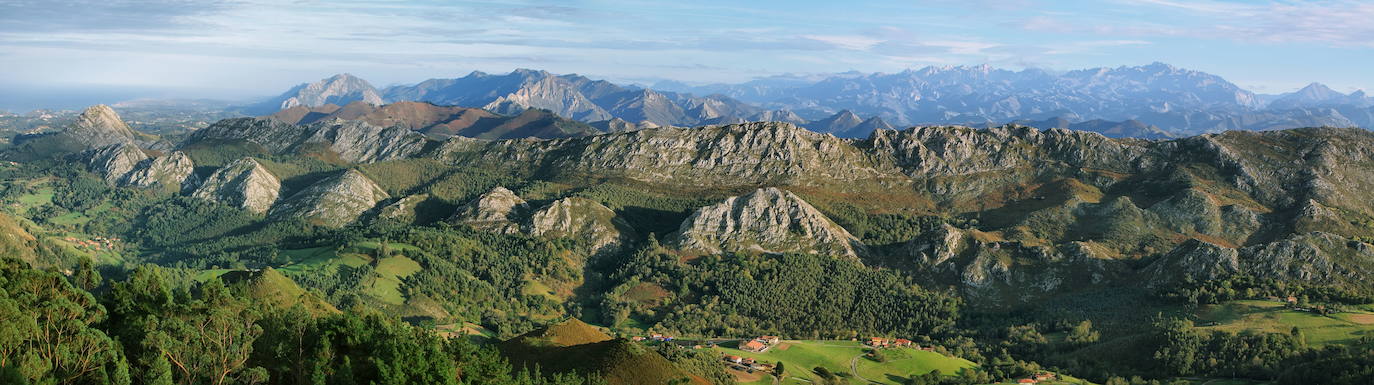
(240, 48)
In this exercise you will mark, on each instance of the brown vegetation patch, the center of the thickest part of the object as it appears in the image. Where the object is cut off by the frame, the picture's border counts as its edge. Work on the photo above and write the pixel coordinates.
(646, 292)
(1362, 319)
(744, 376)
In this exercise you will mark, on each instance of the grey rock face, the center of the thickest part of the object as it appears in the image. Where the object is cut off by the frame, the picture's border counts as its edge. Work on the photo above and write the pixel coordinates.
(333, 202)
(496, 210)
(115, 161)
(99, 126)
(767, 220)
(581, 218)
(243, 183)
(350, 141)
(751, 153)
(172, 171)
(339, 89)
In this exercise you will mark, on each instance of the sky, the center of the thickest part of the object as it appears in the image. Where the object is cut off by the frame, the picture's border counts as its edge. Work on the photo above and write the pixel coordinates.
(228, 49)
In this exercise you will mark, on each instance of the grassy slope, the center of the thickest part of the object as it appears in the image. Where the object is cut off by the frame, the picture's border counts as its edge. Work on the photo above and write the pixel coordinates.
(576, 346)
(800, 357)
(1273, 317)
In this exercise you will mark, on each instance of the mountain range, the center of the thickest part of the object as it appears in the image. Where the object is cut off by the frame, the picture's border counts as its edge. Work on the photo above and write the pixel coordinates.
(747, 229)
(1175, 101)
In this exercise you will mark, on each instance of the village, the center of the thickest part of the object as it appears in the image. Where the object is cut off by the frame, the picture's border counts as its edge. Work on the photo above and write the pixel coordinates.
(95, 243)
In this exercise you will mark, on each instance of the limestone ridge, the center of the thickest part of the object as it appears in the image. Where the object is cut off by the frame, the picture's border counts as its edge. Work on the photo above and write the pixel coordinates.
(496, 210)
(501, 211)
(581, 218)
(744, 154)
(243, 183)
(333, 202)
(115, 161)
(124, 164)
(767, 220)
(1316, 258)
(350, 141)
(171, 171)
(99, 126)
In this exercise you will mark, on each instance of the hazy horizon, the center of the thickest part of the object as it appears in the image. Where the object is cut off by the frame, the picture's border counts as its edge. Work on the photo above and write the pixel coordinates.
(241, 49)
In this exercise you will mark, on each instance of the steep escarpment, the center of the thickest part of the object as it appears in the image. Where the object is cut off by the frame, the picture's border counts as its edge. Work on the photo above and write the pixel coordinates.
(173, 171)
(243, 183)
(497, 210)
(115, 161)
(444, 121)
(333, 202)
(501, 211)
(342, 140)
(98, 126)
(581, 218)
(1313, 258)
(124, 164)
(744, 154)
(767, 220)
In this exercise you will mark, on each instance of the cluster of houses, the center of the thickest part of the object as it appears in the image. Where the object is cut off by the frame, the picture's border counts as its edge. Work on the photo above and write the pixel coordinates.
(652, 337)
(1037, 378)
(97, 243)
(879, 342)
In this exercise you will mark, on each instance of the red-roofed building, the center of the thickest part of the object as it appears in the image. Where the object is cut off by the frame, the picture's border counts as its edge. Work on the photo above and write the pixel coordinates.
(753, 346)
(735, 359)
(901, 342)
(1026, 381)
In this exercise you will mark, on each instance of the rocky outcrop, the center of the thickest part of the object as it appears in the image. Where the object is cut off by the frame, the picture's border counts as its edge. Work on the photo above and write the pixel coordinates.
(345, 140)
(333, 202)
(581, 218)
(404, 209)
(173, 171)
(767, 220)
(115, 161)
(98, 126)
(1193, 260)
(501, 211)
(1313, 258)
(744, 154)
(243, 183)
(497, 210)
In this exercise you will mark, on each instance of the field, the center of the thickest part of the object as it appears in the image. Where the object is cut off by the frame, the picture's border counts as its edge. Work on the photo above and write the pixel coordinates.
(383, 285)
(1274, 317)
(801, 357)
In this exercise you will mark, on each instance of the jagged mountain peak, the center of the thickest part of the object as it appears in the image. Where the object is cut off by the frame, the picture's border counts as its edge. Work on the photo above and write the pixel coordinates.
(99, 126)
(581, 218)
(243, 183)
(769, 220)
(495, 210)
(339, 89)
(333, 202)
